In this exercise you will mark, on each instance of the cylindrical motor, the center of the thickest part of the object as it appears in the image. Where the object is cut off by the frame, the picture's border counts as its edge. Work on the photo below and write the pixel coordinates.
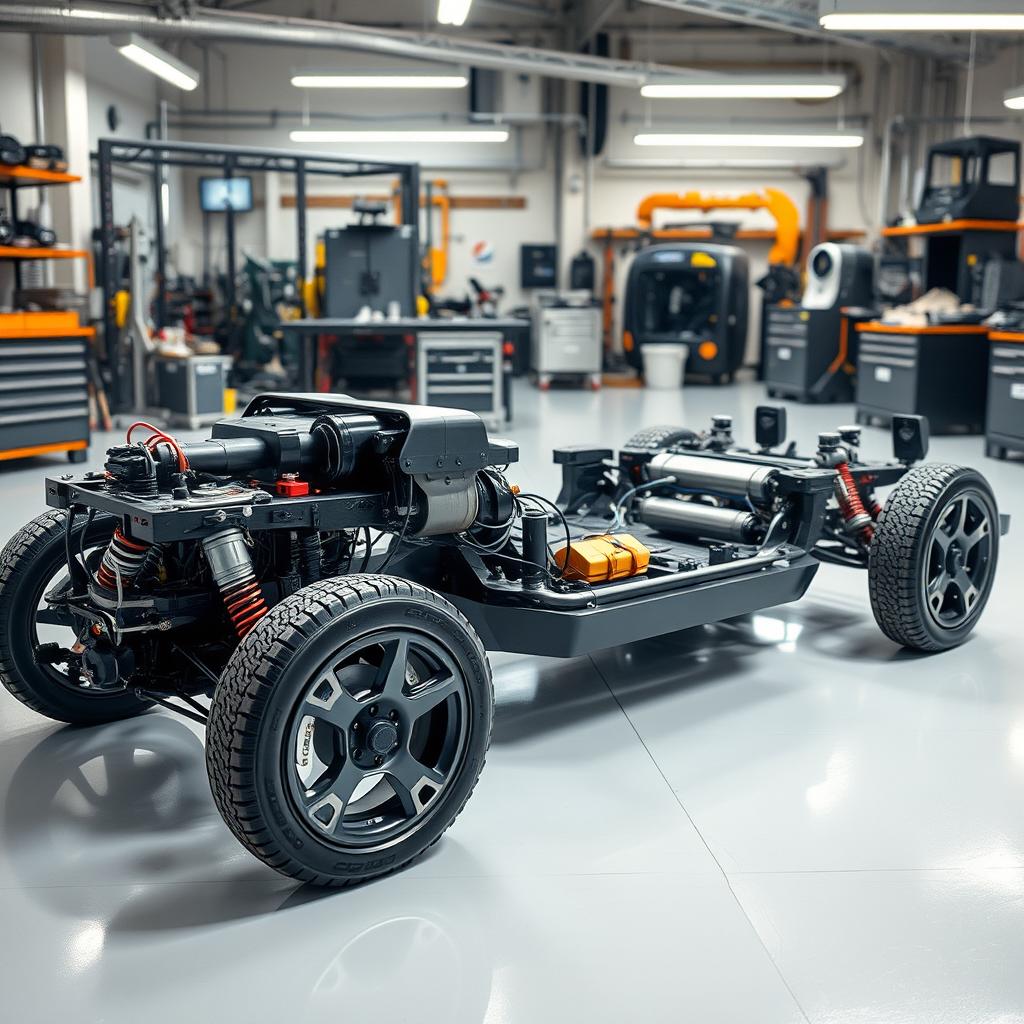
(230, 563)
(692, 519)
(710, 475)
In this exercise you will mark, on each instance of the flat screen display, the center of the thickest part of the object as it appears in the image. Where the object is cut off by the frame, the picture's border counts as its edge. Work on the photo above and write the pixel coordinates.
(219, 194)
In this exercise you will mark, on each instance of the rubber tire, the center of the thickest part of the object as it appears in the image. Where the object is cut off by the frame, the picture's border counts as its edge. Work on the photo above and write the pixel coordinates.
(255, 696)
(658, 437)
(37, 550)
(899, 547)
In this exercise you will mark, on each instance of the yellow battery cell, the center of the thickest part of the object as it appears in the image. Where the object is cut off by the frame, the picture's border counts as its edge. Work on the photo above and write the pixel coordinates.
(601, 559)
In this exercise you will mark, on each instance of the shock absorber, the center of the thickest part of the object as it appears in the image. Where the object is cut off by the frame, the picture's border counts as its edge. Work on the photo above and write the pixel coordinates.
(230, 563)
(855, 516)
(124, 558)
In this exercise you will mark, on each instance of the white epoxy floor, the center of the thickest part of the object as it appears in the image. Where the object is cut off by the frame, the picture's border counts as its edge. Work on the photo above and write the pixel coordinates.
(779, 818)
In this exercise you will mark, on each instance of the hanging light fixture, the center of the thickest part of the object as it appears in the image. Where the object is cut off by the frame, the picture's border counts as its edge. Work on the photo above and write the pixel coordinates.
(746, 86)
(921, 15)
(156, 60)
(751, 140)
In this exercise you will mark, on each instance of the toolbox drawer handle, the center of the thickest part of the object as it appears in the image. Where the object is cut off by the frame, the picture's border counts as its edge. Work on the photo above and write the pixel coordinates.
(1008, 371)
(1008, 353)
(458, 391)
(908, 364)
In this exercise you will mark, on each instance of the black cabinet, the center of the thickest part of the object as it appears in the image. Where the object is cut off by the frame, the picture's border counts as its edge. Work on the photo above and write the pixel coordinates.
(938, 372)
(1004, 425)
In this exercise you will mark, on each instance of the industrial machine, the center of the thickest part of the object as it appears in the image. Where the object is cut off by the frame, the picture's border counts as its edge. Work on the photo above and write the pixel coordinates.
(565, 338)
(319, 581)
(974, 178)
(692, 293)
(370, 264)
(811, 348)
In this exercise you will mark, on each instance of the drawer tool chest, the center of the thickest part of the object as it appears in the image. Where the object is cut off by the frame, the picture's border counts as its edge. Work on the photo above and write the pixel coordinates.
(1004, 423)
(939, 371)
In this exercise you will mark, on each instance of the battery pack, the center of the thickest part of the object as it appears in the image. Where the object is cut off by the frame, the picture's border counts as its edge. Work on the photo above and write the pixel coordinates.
(601, 559)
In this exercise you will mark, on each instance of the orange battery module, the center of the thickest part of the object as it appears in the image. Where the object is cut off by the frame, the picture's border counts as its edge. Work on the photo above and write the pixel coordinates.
(604, 558)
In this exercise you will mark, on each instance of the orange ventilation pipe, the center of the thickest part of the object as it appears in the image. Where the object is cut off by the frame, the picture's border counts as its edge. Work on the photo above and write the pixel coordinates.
(778, 204)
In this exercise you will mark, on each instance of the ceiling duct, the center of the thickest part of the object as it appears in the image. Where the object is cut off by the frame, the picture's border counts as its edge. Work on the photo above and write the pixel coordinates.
(209, 24)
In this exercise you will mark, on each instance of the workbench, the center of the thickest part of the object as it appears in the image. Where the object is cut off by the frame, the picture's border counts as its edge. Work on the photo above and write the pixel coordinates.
(317, 337)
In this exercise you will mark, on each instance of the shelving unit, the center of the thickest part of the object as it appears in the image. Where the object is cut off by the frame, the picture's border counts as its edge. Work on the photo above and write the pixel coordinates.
(953, 249)
(44, 368)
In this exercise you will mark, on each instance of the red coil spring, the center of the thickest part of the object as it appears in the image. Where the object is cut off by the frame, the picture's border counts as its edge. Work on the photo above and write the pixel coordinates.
(245, 605)
(850, 502)
(124, 554)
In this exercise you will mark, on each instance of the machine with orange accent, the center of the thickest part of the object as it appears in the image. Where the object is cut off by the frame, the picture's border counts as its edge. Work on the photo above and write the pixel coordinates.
(691, 293)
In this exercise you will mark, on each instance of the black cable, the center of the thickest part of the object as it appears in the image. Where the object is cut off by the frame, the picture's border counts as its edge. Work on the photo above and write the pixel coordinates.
(401, 537)
(369, 549)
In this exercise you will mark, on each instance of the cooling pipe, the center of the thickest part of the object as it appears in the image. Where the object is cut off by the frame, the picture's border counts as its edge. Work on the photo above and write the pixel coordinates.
(708, 475)
(691, 519)
(208, 24)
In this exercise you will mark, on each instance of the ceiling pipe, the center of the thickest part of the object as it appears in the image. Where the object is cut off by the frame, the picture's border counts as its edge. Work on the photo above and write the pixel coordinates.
(247, 27)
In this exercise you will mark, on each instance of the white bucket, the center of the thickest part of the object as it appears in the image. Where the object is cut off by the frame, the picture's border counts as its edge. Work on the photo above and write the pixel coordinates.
(664, 365)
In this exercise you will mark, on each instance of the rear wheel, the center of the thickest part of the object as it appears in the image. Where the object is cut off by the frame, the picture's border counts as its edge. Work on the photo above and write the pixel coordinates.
(349, 728)
(933, 557)
(33, 563)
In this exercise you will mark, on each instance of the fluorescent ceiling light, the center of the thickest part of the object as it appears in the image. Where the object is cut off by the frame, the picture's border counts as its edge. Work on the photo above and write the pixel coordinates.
(782, 86)
(885, 22)
(453, 12)
(400, 135)
(378, 81)
(749, 140)
(921, 15)
(1014, 98)
(157, 60)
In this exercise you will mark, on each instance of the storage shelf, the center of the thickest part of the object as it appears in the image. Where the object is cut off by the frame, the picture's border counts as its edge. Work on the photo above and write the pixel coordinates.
(43, 332)
(952, 227)
(16, 252)
(26, 177)
(883, 328)
(699, 234)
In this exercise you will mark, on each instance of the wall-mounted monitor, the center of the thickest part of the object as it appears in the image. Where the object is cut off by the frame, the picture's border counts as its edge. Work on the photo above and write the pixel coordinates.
(216, 195)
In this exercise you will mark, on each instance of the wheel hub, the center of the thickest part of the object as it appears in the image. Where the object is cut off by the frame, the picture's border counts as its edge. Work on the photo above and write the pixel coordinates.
(383, 738)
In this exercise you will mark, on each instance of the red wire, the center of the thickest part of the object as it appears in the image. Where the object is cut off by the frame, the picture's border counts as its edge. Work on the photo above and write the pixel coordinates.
(157, 436)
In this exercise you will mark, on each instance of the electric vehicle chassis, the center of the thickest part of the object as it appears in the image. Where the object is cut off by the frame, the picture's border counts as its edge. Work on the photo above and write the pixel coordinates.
(318, 584)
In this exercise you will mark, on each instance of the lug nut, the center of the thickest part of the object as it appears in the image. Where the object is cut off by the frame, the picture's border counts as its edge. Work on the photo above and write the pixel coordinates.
(355, 727)
(393, 715)
(357, 753)
(378, 760)
(373, 709)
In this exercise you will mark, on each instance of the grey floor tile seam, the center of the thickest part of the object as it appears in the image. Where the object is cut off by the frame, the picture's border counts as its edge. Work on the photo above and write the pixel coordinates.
(711, 854)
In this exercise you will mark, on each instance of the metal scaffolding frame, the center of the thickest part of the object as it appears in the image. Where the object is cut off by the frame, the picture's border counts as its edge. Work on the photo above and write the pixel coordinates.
(158, 154)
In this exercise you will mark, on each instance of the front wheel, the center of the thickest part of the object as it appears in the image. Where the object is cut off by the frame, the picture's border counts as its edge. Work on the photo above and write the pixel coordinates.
(933, 557)
(349, 728)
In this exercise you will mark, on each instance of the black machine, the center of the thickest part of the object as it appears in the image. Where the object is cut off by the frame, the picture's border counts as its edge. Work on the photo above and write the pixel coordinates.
(370, 264)
(810, 350)
(538, 266)
(691, 293)
(974, 178)
(319, 581)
